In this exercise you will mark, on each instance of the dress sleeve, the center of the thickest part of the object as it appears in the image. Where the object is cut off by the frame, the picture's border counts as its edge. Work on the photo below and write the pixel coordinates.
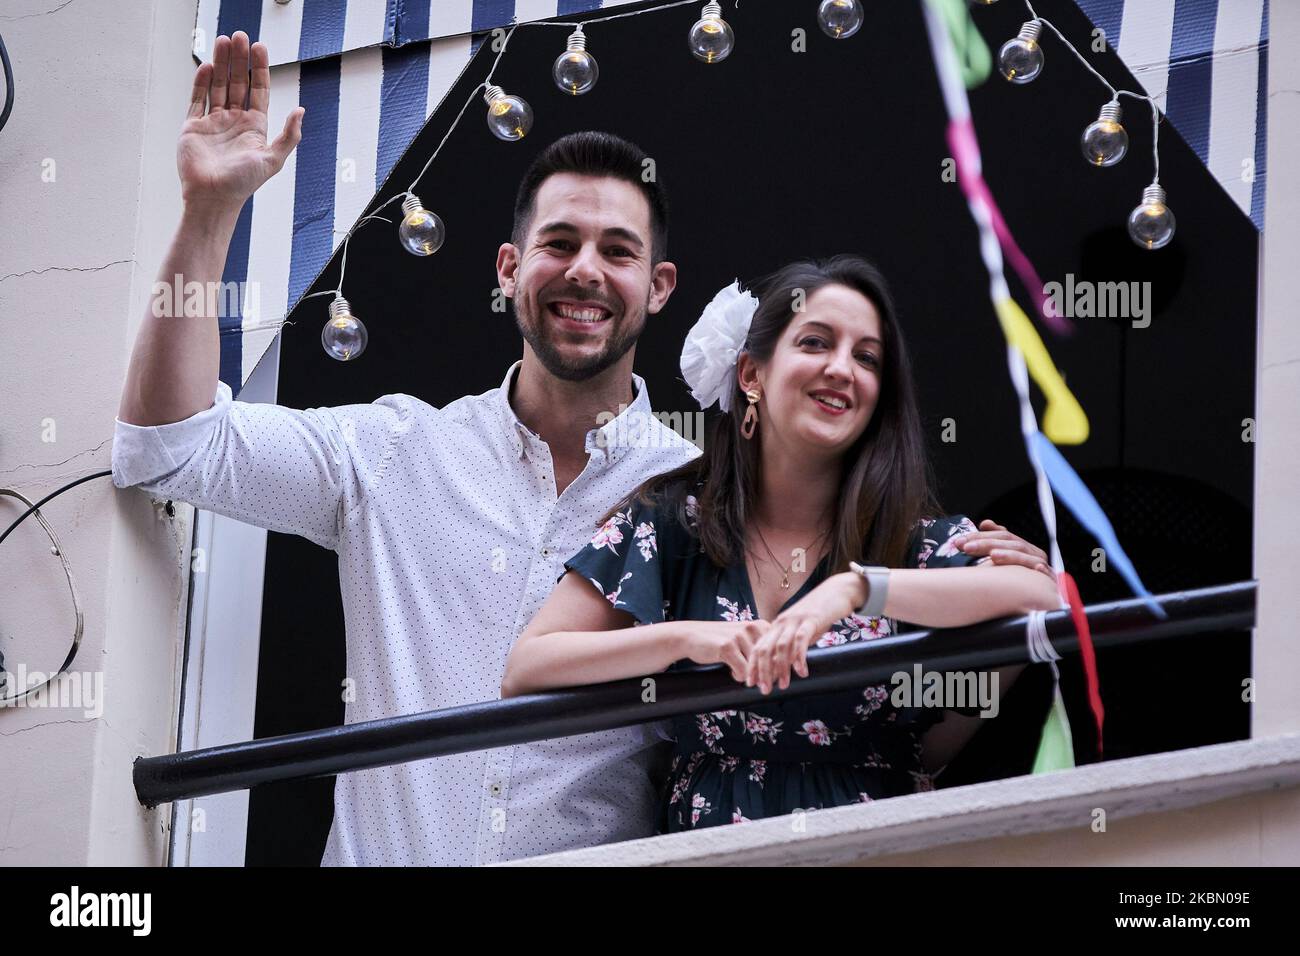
(931, 547)
(623, 562)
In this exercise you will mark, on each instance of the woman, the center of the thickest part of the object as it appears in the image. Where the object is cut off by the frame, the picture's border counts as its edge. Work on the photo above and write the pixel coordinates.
(742, 557)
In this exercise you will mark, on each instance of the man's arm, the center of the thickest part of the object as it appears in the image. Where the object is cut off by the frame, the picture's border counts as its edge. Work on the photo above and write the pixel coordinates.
(222, 158)
(294, 471)
(176, 359)
(178, 432)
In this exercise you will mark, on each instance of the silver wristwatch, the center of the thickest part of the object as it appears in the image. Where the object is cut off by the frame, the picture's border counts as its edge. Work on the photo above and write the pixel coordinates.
(877, 587)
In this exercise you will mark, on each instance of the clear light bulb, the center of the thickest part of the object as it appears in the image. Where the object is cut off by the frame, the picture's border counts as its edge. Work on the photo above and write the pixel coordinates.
(1105, 142)
(711, 39)
(421, 232)
(1021, 58)
(1151, 225)
(840, 18)
(344, 336)
(575, 70)
(509, 117)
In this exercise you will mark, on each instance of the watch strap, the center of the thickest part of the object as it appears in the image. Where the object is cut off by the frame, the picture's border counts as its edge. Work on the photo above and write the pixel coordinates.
(877, 588)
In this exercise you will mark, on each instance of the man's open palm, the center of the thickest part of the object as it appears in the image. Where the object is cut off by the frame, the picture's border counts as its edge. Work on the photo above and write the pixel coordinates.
(222, 154)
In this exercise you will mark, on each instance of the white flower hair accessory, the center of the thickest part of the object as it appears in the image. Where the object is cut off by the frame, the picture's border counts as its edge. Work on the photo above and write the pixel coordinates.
(713, 345)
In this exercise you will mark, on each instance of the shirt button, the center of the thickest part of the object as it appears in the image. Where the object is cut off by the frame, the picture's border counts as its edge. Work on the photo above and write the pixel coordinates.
(546, 552)
(496, 789)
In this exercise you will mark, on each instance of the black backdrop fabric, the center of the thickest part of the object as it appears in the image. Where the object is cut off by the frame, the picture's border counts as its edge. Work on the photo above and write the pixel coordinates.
(774, 155)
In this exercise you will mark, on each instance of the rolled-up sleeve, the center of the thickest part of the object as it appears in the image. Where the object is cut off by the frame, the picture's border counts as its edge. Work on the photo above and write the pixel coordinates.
(295, 471)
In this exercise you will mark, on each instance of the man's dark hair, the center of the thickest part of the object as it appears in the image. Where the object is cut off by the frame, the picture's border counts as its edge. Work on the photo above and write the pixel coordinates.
(595, 153)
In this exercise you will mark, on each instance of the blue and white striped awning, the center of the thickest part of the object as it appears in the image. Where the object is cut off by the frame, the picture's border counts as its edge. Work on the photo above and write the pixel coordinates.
(1206, 63)
(297, 31)
(371, 72)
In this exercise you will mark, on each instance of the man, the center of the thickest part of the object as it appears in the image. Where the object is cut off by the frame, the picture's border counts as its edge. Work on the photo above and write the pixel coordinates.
(439, 569)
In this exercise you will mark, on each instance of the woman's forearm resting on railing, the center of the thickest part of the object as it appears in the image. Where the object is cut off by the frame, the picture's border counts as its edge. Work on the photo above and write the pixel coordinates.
(956, 597)
(542, 660)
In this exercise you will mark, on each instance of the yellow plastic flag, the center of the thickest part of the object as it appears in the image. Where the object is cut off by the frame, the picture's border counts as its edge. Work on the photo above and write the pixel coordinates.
(1064, 420)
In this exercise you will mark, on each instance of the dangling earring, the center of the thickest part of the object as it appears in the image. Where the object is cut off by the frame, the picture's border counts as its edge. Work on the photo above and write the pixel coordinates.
(751, 414)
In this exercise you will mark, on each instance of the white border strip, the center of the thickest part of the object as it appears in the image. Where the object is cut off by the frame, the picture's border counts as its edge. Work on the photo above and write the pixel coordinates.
(281, 31)
(1233, 94)
(360, 85)
(364, 23)
(224, 641)
(1146, 36)
(270, 240)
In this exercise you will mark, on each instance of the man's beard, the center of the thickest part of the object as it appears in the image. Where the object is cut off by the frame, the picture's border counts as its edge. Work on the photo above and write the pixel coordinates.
(539, 333)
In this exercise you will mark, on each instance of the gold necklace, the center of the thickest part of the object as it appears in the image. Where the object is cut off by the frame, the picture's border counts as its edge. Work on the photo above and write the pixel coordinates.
(785, 572)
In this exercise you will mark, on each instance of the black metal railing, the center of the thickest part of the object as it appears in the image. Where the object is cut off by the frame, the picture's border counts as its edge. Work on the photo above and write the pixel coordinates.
(580, 710)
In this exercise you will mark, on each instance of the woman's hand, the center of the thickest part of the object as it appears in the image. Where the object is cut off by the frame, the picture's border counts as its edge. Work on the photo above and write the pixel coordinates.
(722, 642)
(222, 155)
(1000, 546)
(795, 629)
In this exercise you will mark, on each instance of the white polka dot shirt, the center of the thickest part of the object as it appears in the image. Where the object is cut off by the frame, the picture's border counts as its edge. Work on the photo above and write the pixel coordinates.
(449, 537)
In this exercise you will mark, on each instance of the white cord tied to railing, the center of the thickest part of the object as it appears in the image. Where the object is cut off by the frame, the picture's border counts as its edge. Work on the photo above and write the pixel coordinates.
(1040, 646)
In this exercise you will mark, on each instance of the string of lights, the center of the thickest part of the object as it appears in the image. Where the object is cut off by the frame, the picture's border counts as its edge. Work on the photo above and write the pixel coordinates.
(1104, 141)
(711, 40)
(510, 118)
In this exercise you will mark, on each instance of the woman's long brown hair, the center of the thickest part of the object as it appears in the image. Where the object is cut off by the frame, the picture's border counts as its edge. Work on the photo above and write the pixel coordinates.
(887, 482)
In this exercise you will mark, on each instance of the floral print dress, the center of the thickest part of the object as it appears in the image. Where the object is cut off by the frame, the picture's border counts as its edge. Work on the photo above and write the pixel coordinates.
(732, 766)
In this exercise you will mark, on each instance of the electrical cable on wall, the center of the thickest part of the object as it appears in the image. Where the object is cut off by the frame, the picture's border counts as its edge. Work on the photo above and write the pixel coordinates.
(9, 84)
(9, 699)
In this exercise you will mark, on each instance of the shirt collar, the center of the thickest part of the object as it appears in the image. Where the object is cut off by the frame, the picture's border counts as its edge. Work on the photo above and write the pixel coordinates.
(626, 429)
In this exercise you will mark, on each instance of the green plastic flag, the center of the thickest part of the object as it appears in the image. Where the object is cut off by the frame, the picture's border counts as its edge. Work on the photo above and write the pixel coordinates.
(973, 56)
(1056, 746)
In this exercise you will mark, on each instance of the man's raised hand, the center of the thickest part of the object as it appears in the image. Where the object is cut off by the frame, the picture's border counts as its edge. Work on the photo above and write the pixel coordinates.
(222, 155)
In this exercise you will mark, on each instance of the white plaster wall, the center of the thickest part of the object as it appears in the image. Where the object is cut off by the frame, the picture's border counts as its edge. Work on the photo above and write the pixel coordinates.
(1277, 475)
(101, 91)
